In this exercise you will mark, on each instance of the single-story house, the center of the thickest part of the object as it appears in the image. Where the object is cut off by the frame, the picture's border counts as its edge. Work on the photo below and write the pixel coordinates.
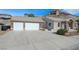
(57, 20)
(27, 23)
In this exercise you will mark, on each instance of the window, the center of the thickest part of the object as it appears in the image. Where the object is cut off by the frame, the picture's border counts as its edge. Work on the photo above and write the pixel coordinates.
(49, 24)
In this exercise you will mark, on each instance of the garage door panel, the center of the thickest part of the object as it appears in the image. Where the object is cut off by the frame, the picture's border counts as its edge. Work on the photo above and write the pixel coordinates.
(17, 26)
(31, 26)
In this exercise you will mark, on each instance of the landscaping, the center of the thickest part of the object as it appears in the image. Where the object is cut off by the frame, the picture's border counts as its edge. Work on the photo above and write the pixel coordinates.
(67, 33)
(61, 31)
(2, 32)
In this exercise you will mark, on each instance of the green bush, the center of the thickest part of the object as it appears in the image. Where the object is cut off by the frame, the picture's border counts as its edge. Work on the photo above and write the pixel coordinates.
(61, 31)
(78, 30)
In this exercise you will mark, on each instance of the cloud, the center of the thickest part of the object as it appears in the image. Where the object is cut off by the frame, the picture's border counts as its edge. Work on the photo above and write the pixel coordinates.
(72, 11)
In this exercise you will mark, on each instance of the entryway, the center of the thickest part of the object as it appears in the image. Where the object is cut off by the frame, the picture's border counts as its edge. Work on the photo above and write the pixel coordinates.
(70, 24)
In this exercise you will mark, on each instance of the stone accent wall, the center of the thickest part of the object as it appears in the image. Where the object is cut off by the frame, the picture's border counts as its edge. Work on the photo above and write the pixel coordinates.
(41, 26)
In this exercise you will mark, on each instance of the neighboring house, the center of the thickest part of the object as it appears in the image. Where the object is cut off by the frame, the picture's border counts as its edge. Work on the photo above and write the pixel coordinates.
(57, 20)
(27, 23)
(5, 21)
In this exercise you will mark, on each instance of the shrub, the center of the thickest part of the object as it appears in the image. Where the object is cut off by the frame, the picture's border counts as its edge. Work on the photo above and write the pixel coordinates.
(61, 31)
(78, 30)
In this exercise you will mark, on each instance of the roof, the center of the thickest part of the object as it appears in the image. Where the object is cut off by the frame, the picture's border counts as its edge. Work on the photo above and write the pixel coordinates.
(5, 16)
(27, 19)
(61, 17)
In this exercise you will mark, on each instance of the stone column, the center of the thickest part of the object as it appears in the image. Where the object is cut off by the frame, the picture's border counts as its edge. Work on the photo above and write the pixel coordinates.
(74, 25)
(60, 25)
(67, 25)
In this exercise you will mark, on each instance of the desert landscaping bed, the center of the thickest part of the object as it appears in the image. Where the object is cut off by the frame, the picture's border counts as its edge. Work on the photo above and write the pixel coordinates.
(65, 32)
(2, 32)
(71, 33)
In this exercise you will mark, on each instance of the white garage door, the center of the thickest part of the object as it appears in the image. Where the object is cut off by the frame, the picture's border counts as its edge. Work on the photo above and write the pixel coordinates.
(17, 26)
(31, 26)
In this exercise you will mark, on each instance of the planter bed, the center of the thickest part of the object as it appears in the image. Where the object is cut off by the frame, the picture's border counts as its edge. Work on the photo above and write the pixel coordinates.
(2, 32)
(71, 33)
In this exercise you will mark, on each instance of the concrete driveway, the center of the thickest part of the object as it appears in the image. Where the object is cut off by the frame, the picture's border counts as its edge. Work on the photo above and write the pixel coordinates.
(37, 40)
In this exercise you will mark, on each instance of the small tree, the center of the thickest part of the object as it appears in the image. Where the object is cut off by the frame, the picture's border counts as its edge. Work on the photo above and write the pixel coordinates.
(29, 15)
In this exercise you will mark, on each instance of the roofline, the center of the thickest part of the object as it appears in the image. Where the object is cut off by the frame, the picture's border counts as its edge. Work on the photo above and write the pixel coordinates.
(26, 21)
(6, 14)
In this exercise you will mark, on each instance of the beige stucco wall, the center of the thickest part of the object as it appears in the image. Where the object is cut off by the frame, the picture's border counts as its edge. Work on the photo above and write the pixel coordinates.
(55, 27)
(41, 26)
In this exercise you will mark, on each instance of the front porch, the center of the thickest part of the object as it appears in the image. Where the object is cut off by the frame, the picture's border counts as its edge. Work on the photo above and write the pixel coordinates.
(69, 25)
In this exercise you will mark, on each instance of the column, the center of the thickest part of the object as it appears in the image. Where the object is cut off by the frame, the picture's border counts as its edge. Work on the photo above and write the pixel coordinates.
(60, 25)
(24, 26)
(67, 25)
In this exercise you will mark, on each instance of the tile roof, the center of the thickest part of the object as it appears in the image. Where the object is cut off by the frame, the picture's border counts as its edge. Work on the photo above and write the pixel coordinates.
(27, 19)
(61, 17)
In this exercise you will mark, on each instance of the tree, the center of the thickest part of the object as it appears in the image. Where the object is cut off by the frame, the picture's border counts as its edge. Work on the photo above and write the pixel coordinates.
(29, 15)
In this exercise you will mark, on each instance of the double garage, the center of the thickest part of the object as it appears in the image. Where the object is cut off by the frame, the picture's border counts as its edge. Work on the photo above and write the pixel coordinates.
(27, 23)
(25, 26)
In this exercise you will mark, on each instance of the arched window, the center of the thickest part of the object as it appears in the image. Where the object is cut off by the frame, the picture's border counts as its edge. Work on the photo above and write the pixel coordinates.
(49, 24)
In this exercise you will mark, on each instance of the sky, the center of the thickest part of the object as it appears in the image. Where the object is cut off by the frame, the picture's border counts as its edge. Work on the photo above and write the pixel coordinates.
(36, 12)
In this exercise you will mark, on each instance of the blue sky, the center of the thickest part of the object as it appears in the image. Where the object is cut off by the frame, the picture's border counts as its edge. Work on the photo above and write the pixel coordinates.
(37, 12)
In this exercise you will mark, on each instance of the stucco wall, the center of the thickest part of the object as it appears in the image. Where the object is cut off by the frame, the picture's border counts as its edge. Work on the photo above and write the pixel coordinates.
(47, 21)
(55, 26)
(42, 26)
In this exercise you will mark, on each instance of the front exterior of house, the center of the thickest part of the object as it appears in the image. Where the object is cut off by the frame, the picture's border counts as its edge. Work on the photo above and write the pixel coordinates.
(59, 20)
(52, 22)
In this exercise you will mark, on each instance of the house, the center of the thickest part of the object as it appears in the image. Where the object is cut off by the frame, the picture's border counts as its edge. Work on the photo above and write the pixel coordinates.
(5, 21)
(60, 20)
(52, 22)
(27, 23)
